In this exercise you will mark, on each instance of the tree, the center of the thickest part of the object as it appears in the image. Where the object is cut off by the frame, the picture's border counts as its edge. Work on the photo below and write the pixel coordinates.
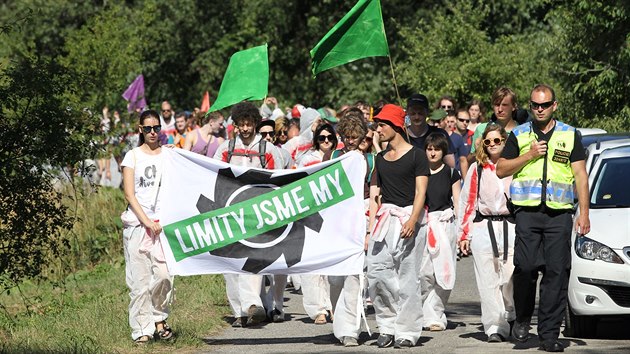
(43, 130)
(593, 57)
(454, 53)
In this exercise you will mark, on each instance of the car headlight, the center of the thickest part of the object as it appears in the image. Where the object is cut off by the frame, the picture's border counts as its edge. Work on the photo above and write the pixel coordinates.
(591, 249)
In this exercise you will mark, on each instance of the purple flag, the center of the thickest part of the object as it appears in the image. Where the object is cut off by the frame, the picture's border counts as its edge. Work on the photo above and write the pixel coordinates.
(135, 94)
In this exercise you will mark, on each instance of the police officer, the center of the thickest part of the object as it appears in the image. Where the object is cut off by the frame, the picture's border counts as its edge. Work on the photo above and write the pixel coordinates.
(545, 157)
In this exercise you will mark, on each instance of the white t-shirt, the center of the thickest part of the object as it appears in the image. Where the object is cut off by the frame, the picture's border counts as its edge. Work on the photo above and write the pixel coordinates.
(147, 169)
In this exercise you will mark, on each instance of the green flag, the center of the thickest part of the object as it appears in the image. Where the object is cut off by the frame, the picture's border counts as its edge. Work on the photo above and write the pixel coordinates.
(359, 34)
(246, 78)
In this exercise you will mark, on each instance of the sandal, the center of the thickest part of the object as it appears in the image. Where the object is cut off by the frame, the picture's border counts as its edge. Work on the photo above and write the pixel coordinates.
(166, 332)
(142, 340)
(320, 319)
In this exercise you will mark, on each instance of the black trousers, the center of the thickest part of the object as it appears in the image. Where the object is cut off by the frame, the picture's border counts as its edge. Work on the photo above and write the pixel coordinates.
(543, 243)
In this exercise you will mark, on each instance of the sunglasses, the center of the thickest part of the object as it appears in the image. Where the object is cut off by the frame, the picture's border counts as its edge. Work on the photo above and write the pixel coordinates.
(463, 120)
(322, 138)
(283, 132)
(147, 128)
(543, 105)
(265, 134)
(368, 139)
(496, 141)
(166, 110)
(446, 107)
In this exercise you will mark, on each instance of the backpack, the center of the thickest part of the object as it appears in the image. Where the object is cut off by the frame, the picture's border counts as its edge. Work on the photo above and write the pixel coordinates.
(369, 158)
(262, 147)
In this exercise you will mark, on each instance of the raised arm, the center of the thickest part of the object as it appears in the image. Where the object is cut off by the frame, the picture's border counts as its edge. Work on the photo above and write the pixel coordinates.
(508, 167)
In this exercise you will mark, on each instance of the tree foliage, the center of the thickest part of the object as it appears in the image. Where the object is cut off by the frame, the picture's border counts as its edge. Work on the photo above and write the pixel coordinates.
(593, 61)
(42, 131)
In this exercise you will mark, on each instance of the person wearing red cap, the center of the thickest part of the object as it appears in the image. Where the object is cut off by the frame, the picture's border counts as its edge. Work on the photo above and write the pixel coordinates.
(397, 221)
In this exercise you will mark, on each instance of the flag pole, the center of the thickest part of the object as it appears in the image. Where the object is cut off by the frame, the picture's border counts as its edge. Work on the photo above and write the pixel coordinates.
(391, 65)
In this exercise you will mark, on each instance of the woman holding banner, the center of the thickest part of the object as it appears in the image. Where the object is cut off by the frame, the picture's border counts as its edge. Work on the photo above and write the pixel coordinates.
(315, 287)
(149, 282)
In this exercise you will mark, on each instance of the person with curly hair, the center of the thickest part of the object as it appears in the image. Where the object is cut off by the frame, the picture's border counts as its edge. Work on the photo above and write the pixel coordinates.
(249, 149)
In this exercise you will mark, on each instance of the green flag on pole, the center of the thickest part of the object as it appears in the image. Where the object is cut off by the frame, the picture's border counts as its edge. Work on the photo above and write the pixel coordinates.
(246, 78)
(359, 34)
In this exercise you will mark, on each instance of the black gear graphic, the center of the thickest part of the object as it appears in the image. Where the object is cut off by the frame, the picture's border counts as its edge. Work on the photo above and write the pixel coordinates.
(257, 183)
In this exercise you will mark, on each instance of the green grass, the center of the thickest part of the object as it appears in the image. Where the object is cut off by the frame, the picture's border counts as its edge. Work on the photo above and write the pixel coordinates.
(89, 314)
(81, 306)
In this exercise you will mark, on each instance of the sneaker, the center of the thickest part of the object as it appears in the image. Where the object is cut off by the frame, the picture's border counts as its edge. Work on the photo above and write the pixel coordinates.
(402, 343)
(276, 316)
(385, 340)
(349, 342)
(495, 338)
(255, 315)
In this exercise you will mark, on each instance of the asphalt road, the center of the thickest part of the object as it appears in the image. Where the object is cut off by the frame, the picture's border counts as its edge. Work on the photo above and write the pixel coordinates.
(464, 333)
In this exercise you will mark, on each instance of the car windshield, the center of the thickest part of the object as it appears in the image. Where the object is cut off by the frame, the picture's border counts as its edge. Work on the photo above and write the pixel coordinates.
(610, 189)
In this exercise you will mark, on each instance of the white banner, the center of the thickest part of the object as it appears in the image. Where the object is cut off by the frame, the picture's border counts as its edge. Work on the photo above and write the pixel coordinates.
(218, 218)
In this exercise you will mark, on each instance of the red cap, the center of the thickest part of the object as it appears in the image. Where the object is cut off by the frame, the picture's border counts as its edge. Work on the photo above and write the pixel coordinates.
(296, 112)
(393, 114)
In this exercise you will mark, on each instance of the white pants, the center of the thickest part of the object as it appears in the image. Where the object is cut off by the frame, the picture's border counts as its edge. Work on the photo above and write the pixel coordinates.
(315, 295)
(434, 296)
(494, 279)
(150, 285)
(295, 280)
(243, 291)
(394, 282)
(345, 294)
(273, 298)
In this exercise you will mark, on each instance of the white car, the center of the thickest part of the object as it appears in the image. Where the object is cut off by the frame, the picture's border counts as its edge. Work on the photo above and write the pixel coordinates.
(599, 283)
(590, 131)
(594, 150)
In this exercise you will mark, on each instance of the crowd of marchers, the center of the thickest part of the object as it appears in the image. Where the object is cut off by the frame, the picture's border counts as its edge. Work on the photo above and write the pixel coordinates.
(442, 182)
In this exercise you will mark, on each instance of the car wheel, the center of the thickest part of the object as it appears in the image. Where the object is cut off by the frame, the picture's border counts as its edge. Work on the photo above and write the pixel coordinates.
(579, 326)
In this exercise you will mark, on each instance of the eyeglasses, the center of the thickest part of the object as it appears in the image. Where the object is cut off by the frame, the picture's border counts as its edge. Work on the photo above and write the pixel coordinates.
(322, 138)
(166, 110)
(463, 120)
(265, 134)
(544, 105)
(496, 141)
(446, 106)
(283, 132)
(147, 128)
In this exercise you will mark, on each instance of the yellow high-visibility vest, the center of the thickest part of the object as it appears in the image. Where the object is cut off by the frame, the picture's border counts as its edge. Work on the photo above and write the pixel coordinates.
(527, 185)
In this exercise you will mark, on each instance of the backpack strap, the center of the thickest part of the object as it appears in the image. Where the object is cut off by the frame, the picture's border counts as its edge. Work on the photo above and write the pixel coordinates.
(262, 149)
(479, 171)
(231, 145)
(369, 158)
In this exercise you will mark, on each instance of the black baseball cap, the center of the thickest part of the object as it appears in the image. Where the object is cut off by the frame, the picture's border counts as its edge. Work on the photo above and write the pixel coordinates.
(265, 122)
(418, 99)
